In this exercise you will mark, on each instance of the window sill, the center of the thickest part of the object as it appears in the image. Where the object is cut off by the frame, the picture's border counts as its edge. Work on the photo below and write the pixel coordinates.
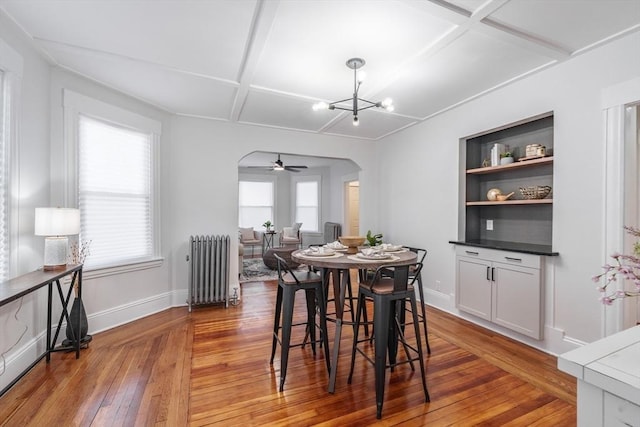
(102, 271)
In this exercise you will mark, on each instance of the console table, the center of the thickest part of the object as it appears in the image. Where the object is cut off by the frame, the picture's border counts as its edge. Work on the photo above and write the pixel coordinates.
(16, 288)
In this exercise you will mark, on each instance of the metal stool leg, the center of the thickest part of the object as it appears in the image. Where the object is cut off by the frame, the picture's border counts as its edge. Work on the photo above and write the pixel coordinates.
(424, 313)
(381, 318)
(287, 320)
(416, 325)
(276, 323)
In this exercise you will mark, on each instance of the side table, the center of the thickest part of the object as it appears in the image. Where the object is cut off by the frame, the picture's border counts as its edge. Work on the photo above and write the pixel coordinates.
(267, 240)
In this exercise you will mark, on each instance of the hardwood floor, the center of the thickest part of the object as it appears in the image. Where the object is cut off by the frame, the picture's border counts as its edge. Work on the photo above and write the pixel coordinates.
(212, 367)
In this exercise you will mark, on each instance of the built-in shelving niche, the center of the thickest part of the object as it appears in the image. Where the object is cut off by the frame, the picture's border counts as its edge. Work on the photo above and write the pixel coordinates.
(517, 220)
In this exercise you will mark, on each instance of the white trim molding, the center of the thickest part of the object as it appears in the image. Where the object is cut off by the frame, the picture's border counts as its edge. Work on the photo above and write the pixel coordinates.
(618, 185)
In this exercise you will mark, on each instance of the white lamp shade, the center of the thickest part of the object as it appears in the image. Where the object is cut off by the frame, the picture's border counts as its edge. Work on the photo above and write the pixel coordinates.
(57, 221)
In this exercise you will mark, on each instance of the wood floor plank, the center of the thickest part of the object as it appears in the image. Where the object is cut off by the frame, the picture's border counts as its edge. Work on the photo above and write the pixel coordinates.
(211, 367)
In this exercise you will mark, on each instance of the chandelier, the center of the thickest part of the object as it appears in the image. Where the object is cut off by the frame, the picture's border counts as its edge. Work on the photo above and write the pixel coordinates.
(355, 64)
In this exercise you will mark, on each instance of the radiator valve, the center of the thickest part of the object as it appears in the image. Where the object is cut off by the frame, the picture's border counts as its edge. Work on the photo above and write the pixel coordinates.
(235, 299)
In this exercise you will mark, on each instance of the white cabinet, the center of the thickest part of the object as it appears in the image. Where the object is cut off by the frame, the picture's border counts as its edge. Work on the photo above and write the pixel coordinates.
(502, 287)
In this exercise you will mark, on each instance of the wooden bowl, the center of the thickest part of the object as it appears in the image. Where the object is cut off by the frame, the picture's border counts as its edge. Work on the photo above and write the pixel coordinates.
(352, 242)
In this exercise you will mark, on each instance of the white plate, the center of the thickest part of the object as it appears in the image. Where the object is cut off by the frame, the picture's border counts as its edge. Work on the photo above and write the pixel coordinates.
(338, 249)
(390, 248)
(374, 256)
(319, 254)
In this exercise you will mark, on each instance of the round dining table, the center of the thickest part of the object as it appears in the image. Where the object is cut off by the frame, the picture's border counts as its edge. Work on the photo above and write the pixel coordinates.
(338, 266)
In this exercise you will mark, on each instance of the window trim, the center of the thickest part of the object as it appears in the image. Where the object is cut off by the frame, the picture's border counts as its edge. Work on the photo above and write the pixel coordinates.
(75, 104)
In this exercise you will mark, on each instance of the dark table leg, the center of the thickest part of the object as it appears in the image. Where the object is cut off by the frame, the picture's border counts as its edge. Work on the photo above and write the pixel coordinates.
(49, 346)
(340, 281)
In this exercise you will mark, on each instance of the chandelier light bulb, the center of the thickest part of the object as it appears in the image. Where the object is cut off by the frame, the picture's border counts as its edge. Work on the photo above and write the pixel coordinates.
(390, 108)
(361, 76)
(320, 106)
(356, 122)
(387, 102)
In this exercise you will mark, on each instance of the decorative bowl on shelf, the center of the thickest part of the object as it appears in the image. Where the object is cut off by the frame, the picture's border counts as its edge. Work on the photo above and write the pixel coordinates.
(535, 192)
(492, 194)
(352, 242)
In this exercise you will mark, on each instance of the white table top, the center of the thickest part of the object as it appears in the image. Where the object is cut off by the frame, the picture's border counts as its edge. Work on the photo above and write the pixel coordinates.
(612, 363)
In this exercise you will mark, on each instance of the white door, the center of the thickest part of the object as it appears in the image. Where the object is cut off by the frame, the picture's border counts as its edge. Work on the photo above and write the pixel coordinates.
(352, 205)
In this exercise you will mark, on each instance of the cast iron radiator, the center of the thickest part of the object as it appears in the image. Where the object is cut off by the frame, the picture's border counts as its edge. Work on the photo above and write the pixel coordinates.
(208, 270)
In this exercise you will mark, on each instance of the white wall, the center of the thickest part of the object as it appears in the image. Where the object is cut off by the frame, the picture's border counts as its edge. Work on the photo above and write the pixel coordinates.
(421, 206)
(204, 188)
(32, 191)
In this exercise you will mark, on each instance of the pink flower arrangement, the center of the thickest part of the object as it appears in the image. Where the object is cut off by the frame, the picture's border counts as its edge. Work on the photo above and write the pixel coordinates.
(626, 267)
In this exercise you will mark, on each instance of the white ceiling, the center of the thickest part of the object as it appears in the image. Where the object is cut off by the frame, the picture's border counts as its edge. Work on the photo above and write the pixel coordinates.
(266, 62)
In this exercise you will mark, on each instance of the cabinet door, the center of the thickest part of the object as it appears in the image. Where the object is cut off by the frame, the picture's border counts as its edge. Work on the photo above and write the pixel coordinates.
(517, 298)
(473, 287)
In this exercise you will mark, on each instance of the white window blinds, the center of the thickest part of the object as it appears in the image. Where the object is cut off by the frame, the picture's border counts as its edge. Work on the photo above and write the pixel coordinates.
(307, 204)
(114, 192)
(255, 203)
(4, 250)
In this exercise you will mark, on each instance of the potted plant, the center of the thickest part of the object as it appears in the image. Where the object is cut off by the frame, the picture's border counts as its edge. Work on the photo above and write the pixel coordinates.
(506, 158)
(373, 239)
(267, 225)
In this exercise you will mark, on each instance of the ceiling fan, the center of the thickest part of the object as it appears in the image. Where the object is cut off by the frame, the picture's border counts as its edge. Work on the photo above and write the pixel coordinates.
(278, 165)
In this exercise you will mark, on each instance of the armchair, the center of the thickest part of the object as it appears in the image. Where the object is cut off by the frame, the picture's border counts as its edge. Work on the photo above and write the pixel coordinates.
(291, 235)
(250, 237)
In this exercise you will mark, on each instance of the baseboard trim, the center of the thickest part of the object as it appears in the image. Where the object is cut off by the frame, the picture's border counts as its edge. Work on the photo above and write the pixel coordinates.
(116, 316)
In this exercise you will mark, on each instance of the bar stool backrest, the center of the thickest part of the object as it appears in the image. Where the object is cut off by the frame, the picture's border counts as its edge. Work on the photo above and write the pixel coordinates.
(403, 276)
(283, 269)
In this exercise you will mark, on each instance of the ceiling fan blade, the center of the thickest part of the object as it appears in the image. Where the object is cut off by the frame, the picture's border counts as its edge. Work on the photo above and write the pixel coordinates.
(291, 169)
(297, 167)
(260, 167)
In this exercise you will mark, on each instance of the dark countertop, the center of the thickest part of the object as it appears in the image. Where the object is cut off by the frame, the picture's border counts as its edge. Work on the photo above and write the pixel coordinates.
(526, 248)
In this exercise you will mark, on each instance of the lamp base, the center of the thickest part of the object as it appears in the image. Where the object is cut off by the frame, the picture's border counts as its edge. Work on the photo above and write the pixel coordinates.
(55, 253)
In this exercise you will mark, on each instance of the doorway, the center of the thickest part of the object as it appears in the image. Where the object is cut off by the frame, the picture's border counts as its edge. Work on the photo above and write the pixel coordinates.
(352, 208)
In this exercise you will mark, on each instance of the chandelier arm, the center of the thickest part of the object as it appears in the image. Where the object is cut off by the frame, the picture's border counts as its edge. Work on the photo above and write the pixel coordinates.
(375, 104)
(342, 100)
(367, 107)
(342, 108)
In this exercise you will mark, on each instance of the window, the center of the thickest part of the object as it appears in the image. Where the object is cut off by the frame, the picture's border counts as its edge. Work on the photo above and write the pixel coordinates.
(10, 83)
(113, 176)
(255, 200)
(4, 253)
(307, 204)
(114, 192)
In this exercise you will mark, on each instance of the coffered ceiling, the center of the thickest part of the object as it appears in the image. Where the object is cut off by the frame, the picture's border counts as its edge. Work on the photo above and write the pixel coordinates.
(266, 62)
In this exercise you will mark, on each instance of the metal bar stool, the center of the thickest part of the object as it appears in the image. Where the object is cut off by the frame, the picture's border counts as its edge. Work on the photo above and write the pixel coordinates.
(422, 314)
(288, 283)
(388, 295)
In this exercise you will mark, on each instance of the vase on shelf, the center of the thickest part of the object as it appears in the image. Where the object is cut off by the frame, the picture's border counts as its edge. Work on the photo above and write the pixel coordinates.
(506, 160)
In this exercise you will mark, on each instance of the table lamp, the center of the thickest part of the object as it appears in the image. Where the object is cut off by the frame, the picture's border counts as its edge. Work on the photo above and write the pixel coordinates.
(56, 224)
